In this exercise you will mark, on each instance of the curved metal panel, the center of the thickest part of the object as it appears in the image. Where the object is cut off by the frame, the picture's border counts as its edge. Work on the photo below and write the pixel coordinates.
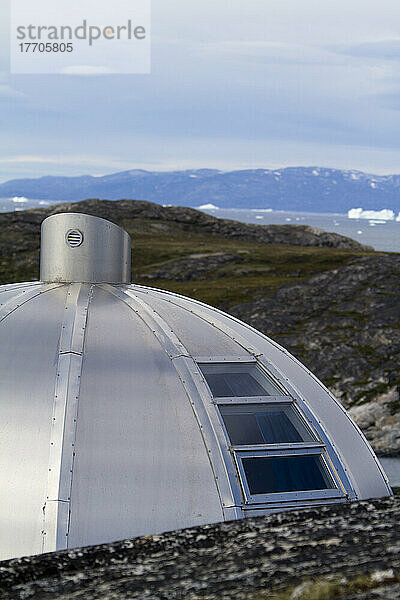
(359, 461)
(12, 302)
(9, 291)
(140, 466)
(198, 336)
(82, 248)
(199, 397)
(10, 286)
(29, 337)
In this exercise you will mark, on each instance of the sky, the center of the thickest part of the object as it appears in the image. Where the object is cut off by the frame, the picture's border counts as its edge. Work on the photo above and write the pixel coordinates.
(234, 84)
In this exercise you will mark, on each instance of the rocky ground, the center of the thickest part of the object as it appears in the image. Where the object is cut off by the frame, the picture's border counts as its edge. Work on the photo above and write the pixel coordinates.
(333, 552)
(344, 325)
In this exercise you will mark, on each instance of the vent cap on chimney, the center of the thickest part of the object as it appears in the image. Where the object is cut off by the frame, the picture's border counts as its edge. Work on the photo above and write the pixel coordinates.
(81, 248)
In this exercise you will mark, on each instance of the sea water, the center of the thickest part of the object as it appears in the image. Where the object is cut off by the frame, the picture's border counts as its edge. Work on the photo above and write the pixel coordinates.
(391, 467)
(380, 234)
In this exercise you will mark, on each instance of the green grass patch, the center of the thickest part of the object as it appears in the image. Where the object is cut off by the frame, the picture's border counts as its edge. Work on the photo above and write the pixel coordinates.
(263, 268)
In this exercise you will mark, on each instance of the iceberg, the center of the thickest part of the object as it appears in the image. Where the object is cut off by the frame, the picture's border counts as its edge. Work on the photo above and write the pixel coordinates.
(208, 207)
(19, 199)
(386, 214)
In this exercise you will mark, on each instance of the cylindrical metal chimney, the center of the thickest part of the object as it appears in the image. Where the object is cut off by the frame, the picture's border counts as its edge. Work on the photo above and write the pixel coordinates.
(83, 248)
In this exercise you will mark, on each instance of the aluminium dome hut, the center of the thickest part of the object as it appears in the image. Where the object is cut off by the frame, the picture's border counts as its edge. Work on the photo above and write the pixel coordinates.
(127, 410)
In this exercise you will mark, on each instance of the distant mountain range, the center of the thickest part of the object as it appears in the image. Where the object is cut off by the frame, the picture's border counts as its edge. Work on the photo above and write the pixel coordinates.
(308, 189)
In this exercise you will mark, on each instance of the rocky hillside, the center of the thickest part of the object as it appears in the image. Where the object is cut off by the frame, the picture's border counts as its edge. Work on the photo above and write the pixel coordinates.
(350, 552)
(188, 219)
(333, 303)
(344, 325)
(20, 231)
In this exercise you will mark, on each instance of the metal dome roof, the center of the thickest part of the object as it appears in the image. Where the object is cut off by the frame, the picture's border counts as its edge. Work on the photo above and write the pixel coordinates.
(127, 410)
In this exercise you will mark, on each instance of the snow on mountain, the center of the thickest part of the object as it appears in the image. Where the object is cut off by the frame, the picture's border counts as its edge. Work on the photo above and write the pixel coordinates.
(308, 189)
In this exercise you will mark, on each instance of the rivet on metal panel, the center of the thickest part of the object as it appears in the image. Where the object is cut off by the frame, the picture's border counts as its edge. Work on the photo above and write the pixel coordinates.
(65, 407)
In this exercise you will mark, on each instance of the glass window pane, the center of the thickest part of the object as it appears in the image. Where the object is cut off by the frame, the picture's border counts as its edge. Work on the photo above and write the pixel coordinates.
(243, 429)
(268, 475)
(226, 385)
(274, 423)
(230, 380)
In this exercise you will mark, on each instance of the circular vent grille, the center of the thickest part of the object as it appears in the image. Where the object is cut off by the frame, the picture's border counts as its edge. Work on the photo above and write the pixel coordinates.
(74, 238)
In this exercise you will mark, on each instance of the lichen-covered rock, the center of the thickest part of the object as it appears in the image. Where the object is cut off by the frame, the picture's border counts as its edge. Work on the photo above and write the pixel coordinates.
(351, 551)
(380, 422)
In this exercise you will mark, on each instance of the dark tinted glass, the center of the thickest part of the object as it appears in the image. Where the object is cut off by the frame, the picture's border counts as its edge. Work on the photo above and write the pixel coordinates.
(227, 380)
(243, 429)
(263, 424)
(268, 475)
(227, 385)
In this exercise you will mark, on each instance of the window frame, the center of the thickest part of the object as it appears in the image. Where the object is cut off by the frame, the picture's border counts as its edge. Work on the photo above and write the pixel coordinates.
(333, 492)
(318, 447)
(278, 400)
(255, 365)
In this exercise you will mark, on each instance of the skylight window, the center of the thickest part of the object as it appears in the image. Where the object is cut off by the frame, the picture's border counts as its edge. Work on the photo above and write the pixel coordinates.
(269, 475)
(273, 423)
(276, 451)
(238, 380)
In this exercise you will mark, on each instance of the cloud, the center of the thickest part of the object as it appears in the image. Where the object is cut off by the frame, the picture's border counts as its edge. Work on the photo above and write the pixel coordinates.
(284, 82)
(6, 90)
(381, 50)
(74, 160)
(269, 52)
